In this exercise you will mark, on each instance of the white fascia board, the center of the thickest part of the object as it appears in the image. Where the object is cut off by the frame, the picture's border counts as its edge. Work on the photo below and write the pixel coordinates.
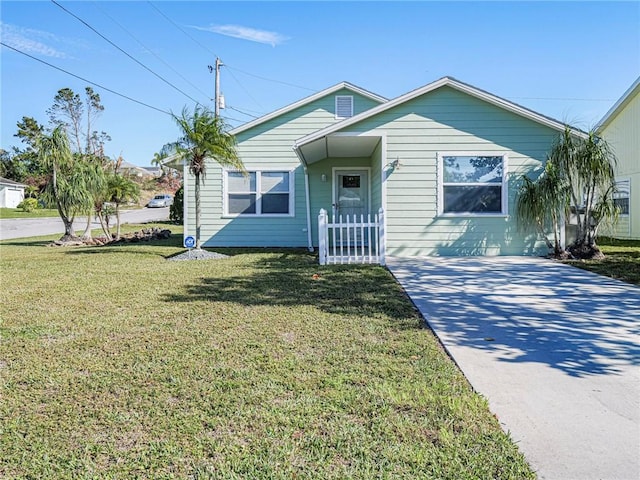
(305, 101)
(445, 81)
(622, 102)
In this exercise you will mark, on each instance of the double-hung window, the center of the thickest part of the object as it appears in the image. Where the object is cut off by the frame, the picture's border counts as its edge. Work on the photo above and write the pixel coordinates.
(259, 193)
(472, 184)
(621, 196)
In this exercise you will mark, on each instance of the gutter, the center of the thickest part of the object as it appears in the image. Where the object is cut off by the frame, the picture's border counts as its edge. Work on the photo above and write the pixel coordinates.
(306, 195)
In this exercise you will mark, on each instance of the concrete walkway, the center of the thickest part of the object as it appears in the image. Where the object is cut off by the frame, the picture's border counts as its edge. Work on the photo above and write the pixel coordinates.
(554, 349)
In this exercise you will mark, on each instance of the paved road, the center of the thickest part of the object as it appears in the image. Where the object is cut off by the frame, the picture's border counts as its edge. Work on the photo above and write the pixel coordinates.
(33, 227)
(554, 349)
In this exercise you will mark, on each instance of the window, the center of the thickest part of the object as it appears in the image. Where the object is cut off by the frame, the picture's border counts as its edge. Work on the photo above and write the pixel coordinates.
(344, 106)
(472, 184)
(259, 193)
(621, 196)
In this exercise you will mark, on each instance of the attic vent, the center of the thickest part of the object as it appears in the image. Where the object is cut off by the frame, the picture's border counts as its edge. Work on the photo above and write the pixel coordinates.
(344, 106)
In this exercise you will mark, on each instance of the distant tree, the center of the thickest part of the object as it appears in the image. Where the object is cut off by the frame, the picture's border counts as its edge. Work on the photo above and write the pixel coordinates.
(71, 111)
(176, 210)
(204, 136)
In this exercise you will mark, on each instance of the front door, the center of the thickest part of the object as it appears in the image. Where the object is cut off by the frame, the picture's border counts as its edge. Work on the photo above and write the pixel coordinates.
(351, 193)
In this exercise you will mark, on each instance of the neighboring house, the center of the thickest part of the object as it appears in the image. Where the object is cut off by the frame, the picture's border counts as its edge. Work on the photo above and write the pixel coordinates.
(135, 171)
(11, 193)
(621, 128)
(443, 162)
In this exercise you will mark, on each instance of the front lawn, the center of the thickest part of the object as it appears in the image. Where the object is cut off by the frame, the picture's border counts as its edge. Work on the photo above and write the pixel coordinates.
(18, 213)
(622, 260)
(116, 363)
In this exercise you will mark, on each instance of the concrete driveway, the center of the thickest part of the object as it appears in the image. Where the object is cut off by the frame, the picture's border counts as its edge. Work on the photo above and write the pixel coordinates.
(554, 349)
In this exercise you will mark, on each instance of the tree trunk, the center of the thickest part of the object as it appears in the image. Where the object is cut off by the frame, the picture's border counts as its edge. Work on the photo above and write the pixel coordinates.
(87, 231)
(117, 221)
(197, 194)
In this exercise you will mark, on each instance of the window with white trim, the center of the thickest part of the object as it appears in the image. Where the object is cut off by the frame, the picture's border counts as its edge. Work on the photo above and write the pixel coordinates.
(621, 196)
(344, 106)
(259, 193)
(472, 184)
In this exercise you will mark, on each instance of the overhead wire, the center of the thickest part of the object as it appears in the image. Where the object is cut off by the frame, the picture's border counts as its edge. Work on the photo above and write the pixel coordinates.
(229, 68)
(167, 64)
(95, 84)
(240, 111)
(124, 52)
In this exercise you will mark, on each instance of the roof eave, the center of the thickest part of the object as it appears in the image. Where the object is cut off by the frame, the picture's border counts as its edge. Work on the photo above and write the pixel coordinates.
(305, 101)
(453, 83)
(622, 102)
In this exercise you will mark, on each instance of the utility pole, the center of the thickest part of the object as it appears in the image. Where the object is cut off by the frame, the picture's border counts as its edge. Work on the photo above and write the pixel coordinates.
(217, 91)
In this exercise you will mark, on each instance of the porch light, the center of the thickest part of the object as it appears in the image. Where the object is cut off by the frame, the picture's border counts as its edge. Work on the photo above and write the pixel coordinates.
(323, 177)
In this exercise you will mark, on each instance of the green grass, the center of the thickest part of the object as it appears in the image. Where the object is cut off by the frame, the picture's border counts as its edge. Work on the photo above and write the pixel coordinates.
(116, 363)
(18, 213)
(622, 260)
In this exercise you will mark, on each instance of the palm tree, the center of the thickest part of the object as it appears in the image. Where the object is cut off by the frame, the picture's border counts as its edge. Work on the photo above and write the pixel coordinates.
(204, 136)
(542, 204)
(121, 190)
(96, 180)
(587, 165)
(67, 187)
(579, 177)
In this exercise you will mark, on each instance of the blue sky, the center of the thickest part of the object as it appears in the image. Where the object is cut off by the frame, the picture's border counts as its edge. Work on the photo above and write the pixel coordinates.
(570, 61)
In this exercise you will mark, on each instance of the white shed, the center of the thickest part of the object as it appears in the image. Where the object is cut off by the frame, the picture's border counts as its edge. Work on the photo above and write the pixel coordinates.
(11, 193)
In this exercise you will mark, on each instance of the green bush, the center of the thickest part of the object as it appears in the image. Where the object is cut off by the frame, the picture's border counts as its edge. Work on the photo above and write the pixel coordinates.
(28, 205)
(177, 207)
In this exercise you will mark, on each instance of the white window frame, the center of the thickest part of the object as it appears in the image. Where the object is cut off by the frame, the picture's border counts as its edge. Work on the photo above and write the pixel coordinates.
(350, 97)
(628, 182)
(504, 203)
(258, 192)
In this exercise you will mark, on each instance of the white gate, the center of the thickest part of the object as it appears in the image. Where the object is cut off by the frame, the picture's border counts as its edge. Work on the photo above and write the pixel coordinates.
(351, 240)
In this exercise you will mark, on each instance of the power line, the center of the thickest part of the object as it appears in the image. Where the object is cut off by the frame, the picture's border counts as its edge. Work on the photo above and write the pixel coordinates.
(206, 49)
(167, 64)
(272, 80)
(123, 51)
(86, 80)
(246, 91)
(564, 99)
(240, 111)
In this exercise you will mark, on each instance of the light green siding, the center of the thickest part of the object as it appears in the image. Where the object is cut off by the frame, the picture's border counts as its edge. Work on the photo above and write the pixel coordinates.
(623, 134)
(266, 146)
(447, 120)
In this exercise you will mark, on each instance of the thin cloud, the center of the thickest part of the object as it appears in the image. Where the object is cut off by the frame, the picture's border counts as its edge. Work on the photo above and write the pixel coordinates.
(28, 40)
(247, 33)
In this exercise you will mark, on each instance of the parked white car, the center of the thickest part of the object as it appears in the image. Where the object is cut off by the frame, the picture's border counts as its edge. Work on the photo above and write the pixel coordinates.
(159, 201)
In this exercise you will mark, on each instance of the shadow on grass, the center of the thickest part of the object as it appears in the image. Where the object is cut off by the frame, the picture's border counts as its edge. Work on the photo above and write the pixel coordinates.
(294, 279)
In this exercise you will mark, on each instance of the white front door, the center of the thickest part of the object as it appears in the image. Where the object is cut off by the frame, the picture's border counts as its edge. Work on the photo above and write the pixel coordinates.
(351, 193)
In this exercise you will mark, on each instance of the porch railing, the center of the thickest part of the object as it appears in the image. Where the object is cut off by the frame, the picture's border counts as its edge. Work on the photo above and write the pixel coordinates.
(349, 239)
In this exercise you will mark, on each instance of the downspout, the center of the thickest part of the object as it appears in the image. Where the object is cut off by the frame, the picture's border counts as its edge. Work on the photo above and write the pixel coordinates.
(306, 196)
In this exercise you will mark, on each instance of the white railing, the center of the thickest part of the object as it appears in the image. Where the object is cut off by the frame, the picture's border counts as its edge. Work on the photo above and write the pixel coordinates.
(351, 240)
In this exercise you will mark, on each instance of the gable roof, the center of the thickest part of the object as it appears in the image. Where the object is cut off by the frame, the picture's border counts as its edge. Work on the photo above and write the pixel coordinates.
(11, 183)
(312, 98)
(622, 102)
(448, 82)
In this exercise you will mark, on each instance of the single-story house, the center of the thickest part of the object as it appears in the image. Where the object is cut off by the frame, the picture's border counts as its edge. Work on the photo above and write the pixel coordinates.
(441, 164)
(621, 128)
(11, 193)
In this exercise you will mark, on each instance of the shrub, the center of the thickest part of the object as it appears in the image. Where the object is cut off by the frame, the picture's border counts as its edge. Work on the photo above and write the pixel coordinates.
(177, 207)
(28, 204)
